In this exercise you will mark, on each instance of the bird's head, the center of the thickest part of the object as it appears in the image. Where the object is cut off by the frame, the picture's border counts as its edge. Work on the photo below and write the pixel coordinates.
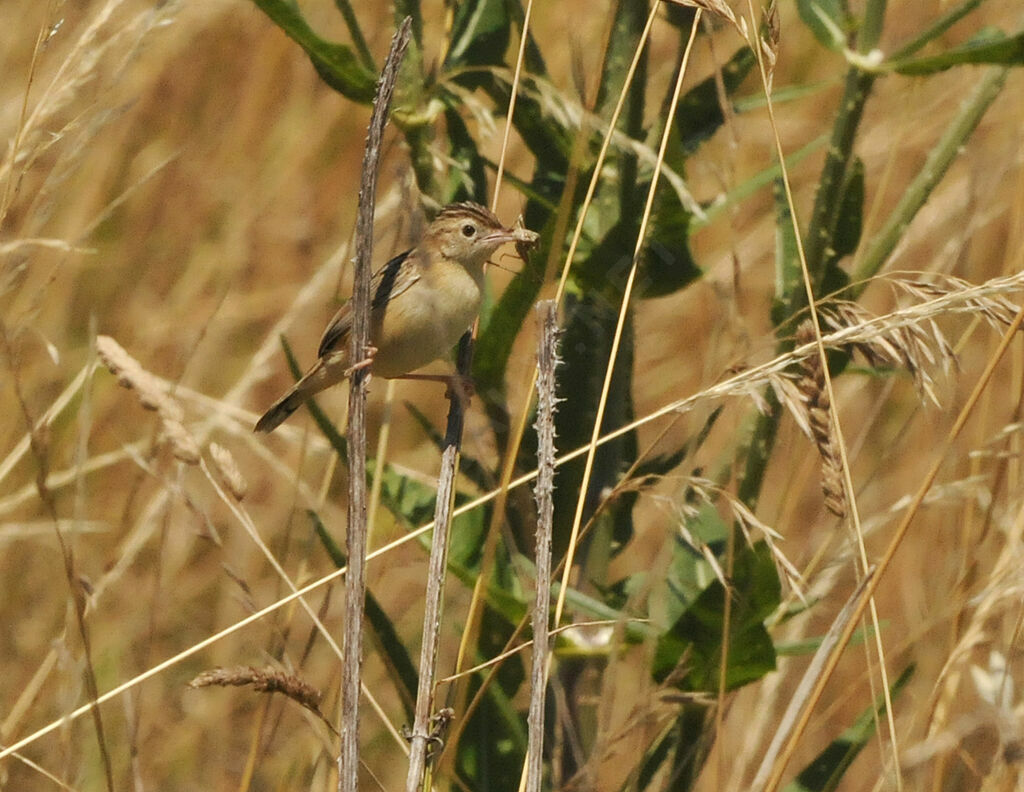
(468, 233)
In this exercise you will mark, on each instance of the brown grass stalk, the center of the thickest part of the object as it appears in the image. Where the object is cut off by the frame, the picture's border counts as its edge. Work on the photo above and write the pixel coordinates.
(419, 739)
(837, 465)
(547, 363)
(355, 580)
(39, 445)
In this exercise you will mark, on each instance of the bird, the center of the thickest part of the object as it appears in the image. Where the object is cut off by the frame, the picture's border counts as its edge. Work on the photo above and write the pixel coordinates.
(422, 301)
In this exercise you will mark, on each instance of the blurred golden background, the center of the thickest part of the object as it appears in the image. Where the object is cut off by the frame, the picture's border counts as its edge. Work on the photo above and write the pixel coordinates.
(177, 177)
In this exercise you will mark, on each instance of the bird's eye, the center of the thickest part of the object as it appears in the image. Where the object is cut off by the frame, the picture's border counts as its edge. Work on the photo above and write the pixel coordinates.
(468, 230)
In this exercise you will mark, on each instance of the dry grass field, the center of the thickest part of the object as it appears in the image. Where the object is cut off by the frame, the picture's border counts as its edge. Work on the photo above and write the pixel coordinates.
(176, 176)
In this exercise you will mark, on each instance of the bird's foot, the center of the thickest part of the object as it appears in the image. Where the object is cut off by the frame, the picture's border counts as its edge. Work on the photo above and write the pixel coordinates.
(459, 387)
(370, 353)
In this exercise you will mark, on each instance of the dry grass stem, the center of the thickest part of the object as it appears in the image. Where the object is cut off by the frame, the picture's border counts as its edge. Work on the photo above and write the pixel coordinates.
(359, 336)
(547, 364)
(805, 690)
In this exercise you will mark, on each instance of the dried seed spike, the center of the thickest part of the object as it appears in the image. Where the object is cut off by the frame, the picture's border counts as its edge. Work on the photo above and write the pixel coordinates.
(816, 402)
(264, 680)
(230, 475)
(770, 35)
(132, 375)
(183, 444)
(716, 8)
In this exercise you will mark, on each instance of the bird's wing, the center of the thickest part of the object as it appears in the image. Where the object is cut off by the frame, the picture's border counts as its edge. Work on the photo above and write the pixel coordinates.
(387, 283)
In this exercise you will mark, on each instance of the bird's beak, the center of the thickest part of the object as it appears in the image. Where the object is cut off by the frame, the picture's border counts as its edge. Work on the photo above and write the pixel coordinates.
(523, 235)
(500, 237)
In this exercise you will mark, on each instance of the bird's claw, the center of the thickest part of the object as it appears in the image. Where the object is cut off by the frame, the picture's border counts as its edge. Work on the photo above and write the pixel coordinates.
(370, 352)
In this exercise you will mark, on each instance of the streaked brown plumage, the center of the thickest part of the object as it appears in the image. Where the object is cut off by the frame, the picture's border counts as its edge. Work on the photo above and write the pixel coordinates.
(422, 301)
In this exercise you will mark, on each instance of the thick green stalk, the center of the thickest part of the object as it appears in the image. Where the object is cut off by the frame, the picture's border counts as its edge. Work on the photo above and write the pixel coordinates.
(411, 9)
(871, 26)
(833, 175)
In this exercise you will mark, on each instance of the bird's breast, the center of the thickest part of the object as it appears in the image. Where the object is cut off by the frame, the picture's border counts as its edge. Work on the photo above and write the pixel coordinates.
(423, 323)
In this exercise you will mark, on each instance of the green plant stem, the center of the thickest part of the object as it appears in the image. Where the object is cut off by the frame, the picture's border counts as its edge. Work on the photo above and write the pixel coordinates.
(935, 167)
(871, 25)
(418, 139)
(830, 186)
(936, 29)
(358, 40)
(411, 9)
(758, 450)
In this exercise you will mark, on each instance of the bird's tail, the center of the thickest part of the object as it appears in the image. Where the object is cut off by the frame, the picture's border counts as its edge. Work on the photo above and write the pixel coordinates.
(280, 410)
(322, 375)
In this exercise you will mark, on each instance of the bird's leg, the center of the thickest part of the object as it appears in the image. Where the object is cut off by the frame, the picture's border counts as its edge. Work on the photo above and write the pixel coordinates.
(459, 386)
(370, 352)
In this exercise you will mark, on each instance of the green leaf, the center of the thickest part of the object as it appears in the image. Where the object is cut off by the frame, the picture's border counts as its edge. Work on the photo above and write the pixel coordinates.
(683, 746)
(827, 19)
(668, 265)
(467, 179)
(546, 138)
(336, 64)
(627, 27)
(825, 772)
(694, 643)
(409, 501)
(480, 36)
(589, 323)
(689, 572)
(413, 504)
(700, 113)
(991, 45)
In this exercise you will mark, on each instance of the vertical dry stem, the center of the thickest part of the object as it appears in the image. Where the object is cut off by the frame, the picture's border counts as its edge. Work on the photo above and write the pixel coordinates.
(355, 580)
(547, 360)
(420, 736)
